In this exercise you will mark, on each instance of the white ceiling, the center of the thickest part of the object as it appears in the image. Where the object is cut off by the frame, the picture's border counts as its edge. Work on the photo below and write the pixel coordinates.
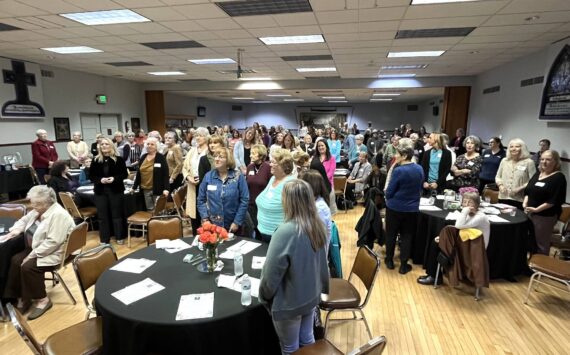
(358, 33)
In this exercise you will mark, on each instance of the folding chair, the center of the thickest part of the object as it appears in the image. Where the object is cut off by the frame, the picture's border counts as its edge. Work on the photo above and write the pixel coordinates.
(163, 227)
(553, 269)
(86, 214)
(140, 218)
(340, 189)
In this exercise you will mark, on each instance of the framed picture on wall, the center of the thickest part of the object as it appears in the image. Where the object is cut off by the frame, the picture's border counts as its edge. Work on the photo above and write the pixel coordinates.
(61, 128)
(135, 123)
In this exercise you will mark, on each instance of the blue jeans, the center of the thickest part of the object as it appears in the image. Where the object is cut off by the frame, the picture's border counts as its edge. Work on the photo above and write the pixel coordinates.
(295, 332)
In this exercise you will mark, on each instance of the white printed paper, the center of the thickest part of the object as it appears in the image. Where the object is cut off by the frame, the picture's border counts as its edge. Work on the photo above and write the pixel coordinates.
(257, 262)
(195, 306)
(494, 218)
(429, 208)
(172, 246)
(453, 216)
(135, 266)
(138, 291)
(226, 281)
(242, 247)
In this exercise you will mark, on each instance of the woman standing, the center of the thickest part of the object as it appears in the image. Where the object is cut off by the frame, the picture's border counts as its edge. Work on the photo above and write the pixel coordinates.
(235, 137)
(544, 195)
(108, 170)
(467, 166)
(191, 174)
(323, 153)
(295, 272)
(269, 207)
(223, 196)
(123, 146)
(242, 149)
(321, 195)
(152, 175)
(492, 157)
(140, 137)
(77, 150)
(457, 143)
(436, 164)
(134, 154)
(257, 176)
(289, 142)
(402, 204)
(334, 145)
(514, 173)
(173, 159)
(278, 142)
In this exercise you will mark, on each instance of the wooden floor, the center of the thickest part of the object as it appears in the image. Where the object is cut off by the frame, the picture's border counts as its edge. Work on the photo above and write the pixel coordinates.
(415, 319)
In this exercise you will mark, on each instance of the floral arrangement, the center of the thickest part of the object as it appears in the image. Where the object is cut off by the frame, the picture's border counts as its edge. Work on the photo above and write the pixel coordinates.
(463, 190)
(211, 235)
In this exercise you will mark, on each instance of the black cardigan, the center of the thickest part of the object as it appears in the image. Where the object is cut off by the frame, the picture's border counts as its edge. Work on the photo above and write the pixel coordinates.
(117, 170)
(444, 167)
(160, 176)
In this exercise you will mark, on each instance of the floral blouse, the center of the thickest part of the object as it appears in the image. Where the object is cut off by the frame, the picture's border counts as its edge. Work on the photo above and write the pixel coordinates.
(471, 179)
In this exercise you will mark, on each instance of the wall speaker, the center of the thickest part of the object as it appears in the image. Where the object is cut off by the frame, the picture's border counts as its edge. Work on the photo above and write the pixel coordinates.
(435, 110)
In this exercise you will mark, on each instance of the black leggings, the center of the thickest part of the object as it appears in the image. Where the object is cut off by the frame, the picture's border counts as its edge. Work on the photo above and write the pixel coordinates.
(405, 224)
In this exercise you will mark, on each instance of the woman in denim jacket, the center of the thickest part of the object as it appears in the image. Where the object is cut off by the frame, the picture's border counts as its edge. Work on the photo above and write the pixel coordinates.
(223, 195)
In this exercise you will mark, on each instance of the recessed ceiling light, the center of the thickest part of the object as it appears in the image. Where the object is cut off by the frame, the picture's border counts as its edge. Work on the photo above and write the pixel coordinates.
(261, 102)
(404, 67)
(166, 73)
(415, 54)
(279, 95)
(424, 2)
(292, 39)
(380, 99)
(387, 94)
(386, 76)
(334, 97)
(255, 79)
(213, 61)
(474, 52)
(319, 69)
(105, 17)
(293, 100)
(338, 101)
(532, 18)
(243, 98)
(72, 50)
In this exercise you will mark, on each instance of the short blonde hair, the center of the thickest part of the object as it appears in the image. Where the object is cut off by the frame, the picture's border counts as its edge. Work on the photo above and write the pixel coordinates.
(230, 160)
(114, 152)
(260, 149)
(284, 159)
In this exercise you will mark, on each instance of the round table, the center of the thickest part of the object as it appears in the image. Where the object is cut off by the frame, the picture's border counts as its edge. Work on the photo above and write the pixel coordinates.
(149, 325)
(508, 241)
(132, 203)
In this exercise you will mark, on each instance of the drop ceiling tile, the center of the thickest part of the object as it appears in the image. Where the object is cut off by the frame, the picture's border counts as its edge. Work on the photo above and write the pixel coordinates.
(135, 4)
(201, 11)
(149, 27)
(341, 16)
(227, 34)
(523, 6)
(243, 42)
(112, 40)
(504, 30)
(519, 19)
(161, 14)
(117, 30)
(29, 24)
(256, 21)
(200, 35)
(301, 30)
(212, 43)
(359, 44)
(218, 24)
(16, 36)
(18, 9)
(326, 5)
(51, 6)
(85, 31)
(475, 8)
(497, 39)
(57, 21)
(99, 5)
(267, 32)
(382, 14)
(378, 26)
(57, 33)
(157, 37)
(451, 22)
(297, 19)
(183, 26)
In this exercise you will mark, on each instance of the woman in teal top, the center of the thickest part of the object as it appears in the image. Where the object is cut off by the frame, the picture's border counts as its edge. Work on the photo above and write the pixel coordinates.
(334, 146)
(269, 207)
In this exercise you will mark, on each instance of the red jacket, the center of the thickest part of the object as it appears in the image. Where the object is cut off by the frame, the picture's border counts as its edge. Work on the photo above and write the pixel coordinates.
(43, 153)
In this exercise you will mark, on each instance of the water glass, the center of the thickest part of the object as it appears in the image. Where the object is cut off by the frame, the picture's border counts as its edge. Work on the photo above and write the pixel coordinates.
(1, 228)
(513, 212)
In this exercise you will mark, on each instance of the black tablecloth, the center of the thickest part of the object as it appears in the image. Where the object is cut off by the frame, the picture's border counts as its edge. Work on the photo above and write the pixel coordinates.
(132, 203)
(7, 250)
(16, 180)
(149, 325)
(508, 242)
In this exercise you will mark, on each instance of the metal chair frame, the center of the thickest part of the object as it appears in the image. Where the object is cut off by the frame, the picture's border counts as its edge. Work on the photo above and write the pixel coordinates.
(159, 206)
(338, 181)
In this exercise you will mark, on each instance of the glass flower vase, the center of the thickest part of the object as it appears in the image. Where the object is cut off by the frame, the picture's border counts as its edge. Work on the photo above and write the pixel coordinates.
(211, 256)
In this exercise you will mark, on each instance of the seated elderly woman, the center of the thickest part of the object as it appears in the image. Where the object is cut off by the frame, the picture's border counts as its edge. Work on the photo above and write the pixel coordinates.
(471, 218)
(45, 230)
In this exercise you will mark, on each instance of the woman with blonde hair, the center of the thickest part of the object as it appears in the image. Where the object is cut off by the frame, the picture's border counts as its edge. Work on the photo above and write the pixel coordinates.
(108, 170)
(152, 175)
(173, 159)
(436, 163)
(295, 272)
(191, 174)
(514, 173)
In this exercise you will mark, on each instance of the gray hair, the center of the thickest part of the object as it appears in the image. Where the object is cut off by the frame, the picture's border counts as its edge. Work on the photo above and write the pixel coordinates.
(405, 148)
(524, 150)
(43, 194)
(40, 131)
(202, 132)
(77, 133)
(414, 136)
(445, 139)
(475, 140)
(359, 137)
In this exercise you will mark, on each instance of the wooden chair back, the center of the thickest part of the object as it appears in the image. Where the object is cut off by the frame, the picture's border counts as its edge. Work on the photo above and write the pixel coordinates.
(88, 266)
(339, 185)
(366, 266)
(69, 204)
(492, 194)
(76, 240)
(15, 211)
(164, 227)
(159, 205)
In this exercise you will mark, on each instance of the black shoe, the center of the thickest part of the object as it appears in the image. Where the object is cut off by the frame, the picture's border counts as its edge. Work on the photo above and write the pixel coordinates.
(389, 263)
(405, 268)
(429, 280)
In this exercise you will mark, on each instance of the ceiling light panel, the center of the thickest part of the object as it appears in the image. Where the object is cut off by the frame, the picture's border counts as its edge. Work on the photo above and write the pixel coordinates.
(166, 73)
(415, 54)
(334, 97)
(404, 67)
(403, 75)
(278, 95)
(73, 50)
(264, 7)
(386, 94)
(213, 61)
(298, 58)
(129, 64)
(321, 69)
(424, 2)
(173, 45)
(292, 39)
(293, 100)
(94, 18)
(435, 32)
(380, 99)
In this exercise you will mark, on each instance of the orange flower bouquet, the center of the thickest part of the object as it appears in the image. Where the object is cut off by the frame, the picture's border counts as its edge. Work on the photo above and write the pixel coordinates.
(210, 236)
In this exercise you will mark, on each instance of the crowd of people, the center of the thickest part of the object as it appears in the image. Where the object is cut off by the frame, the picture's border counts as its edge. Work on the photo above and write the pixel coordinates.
(277, 185)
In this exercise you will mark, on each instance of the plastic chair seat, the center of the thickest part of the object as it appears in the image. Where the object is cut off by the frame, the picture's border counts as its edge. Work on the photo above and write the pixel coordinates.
(550, 266)
(140, 217)
(82, 338)
(342, 294)
(320, 347)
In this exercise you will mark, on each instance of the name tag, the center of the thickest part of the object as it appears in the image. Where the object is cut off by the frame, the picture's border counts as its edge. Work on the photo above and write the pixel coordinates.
(132, 148)
(270, 194)
(470, 163)
(51, 147)
(521, 167)
(539, 184)
(212, 187)
(372, 143)
(439, 155)
(251, 172)
(487, 155)
(157, 165)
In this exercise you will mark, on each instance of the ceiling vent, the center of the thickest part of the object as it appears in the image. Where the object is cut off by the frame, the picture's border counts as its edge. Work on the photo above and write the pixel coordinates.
(532, 81)
(129, 64)
(234, 72)
(237, 108)
(412, 107)
(173, 45)
(264, 7)
(47, 73)
(492, 90)
(299, 58)
(435, 32)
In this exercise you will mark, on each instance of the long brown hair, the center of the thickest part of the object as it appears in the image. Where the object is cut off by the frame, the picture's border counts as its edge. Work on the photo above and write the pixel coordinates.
(300, 208)
(317, 183)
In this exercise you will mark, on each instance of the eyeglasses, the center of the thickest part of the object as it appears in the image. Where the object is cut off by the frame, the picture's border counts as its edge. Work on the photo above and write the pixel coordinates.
(221, 157)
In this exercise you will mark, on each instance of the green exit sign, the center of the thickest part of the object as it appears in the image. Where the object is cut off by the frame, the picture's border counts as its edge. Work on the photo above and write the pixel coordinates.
(101, 99)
